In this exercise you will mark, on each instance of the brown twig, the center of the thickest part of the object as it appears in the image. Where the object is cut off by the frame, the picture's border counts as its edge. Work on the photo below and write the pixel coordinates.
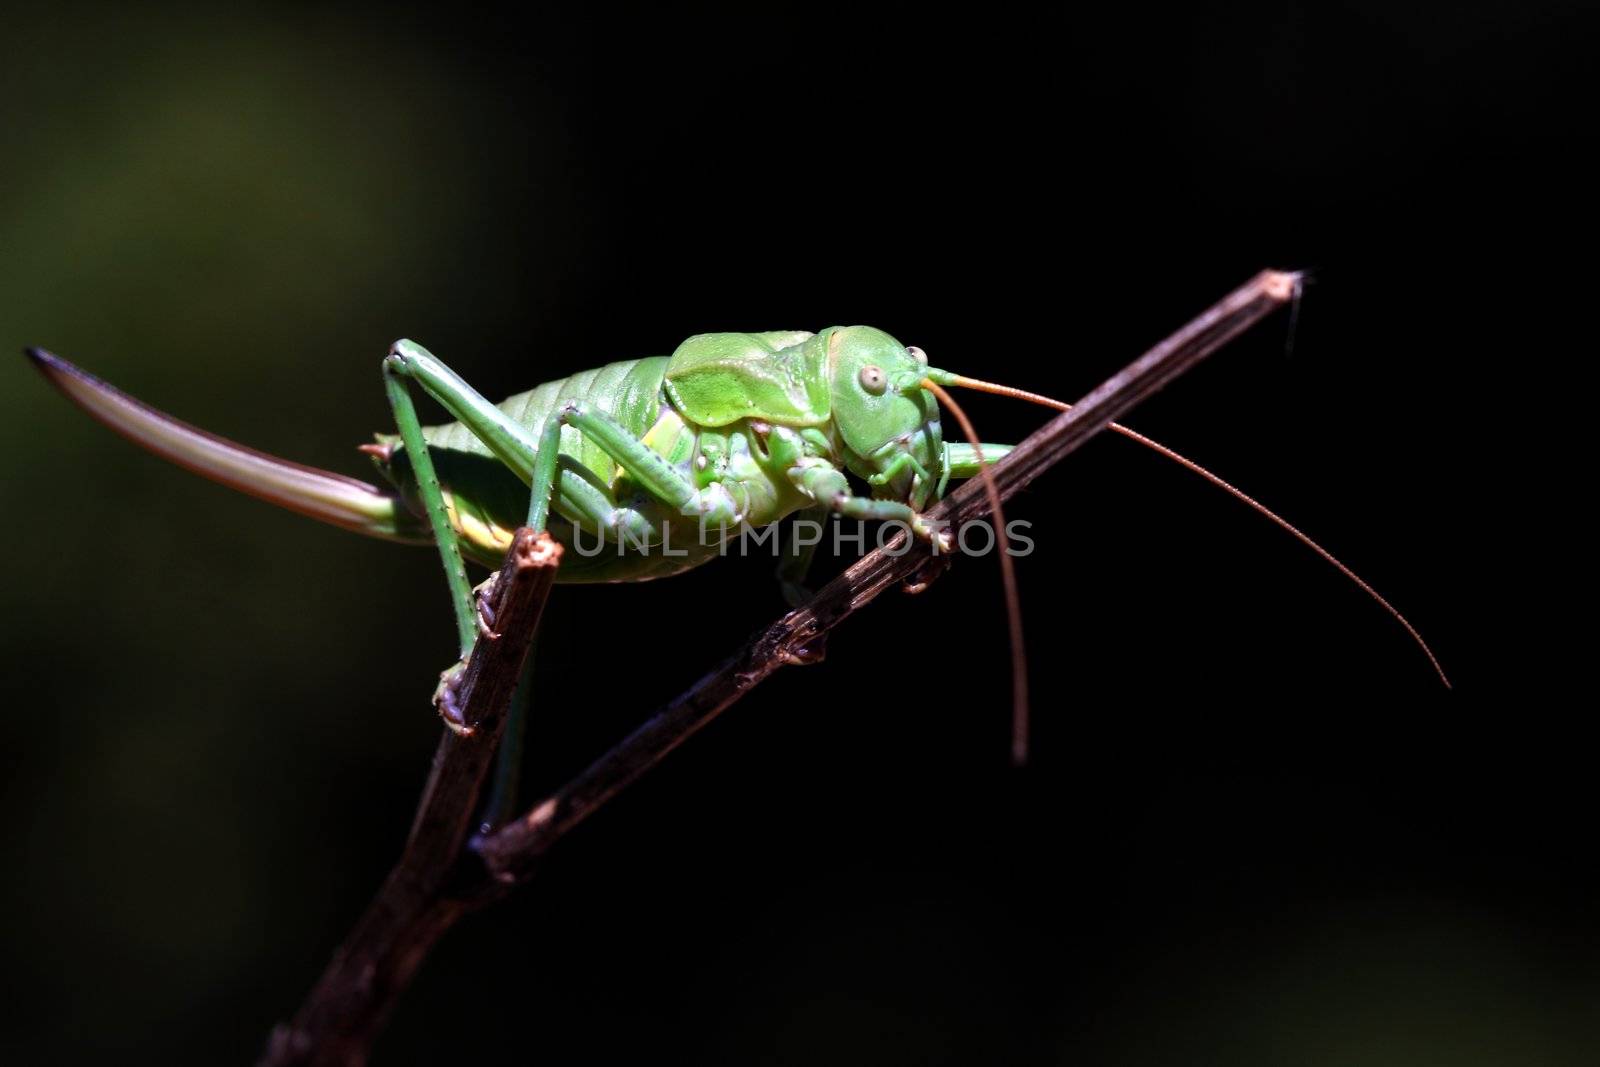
(415, 906)
(435, 881)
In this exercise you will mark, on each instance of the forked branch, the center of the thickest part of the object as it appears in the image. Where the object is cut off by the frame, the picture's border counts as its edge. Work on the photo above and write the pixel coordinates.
(419, 900)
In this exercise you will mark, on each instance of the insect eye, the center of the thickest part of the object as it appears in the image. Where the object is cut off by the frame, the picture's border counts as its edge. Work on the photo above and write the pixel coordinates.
(918, 354)
(873, 380)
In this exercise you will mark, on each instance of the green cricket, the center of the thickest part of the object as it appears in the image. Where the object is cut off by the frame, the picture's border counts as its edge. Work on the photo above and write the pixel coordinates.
(732, 431)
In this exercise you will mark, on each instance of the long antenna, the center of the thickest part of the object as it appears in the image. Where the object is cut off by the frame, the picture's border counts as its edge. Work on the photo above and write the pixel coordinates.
(1008, 579)
(1227, 487)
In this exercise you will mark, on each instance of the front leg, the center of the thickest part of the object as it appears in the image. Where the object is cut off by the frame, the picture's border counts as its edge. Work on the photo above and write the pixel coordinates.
(826, 485)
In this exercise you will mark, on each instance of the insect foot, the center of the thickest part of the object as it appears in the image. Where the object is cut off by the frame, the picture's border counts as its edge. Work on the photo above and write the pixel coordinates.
(483, 601)
(936, 533)
(447, 699)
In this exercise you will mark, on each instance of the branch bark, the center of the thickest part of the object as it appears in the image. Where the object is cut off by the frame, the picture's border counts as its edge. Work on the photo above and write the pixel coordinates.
(442, 873)
(417, 903)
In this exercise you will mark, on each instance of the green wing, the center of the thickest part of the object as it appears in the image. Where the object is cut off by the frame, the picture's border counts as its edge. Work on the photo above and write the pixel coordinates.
(719, 378)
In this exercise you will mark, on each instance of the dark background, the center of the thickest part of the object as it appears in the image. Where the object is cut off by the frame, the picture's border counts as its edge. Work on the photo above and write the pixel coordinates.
(1256, 830)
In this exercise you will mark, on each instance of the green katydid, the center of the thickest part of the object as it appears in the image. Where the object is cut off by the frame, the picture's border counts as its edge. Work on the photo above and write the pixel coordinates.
(733, 430)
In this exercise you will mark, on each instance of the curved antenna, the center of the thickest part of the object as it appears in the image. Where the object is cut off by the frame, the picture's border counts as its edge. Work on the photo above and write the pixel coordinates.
(1227, 487)
(1008, 579)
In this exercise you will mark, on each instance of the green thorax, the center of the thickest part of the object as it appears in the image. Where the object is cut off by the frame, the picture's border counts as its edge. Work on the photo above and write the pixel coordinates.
(716, 379)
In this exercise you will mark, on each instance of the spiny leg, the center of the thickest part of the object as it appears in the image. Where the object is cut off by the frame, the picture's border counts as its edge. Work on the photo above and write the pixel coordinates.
(652, 473)
(512, 443)
(535, 460)
(514, 449)
(428, 488)
(648, 469)
(826, 485)
(897, 465)
(557, 476)
(585, 502)
(545, 462)
(961, 460)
